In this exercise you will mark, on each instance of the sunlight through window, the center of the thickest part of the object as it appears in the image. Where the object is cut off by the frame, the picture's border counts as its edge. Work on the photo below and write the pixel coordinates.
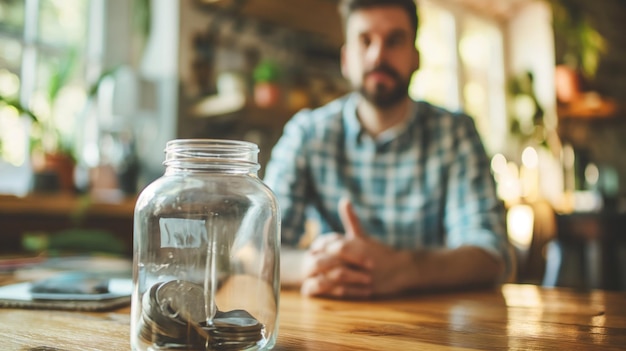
(462, 68)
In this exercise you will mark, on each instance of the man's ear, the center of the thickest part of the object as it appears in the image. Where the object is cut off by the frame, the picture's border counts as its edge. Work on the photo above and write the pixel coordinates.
(343, 62)
(417, 60)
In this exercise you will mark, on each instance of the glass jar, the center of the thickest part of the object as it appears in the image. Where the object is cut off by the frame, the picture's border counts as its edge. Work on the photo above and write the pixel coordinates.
(206, 252)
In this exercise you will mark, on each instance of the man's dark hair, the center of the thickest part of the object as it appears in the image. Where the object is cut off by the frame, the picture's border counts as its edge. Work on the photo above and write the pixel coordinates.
(347, 7)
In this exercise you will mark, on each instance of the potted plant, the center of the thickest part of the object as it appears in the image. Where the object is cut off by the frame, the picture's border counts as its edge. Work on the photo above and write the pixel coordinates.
(579, 47)
(52, 153)
(266, 86)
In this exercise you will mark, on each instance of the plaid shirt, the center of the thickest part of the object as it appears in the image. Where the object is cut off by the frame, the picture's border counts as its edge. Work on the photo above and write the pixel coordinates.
(426, 183)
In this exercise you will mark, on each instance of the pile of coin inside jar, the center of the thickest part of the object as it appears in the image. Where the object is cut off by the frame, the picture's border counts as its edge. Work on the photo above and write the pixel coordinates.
(174, 317)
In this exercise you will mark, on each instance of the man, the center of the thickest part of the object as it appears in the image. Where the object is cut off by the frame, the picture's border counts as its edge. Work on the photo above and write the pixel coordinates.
(402, 189)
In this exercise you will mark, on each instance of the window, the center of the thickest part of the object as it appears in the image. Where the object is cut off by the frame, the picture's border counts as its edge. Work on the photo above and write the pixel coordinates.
(437, 79)
(462, 68)
(484, 88)
(43, 46)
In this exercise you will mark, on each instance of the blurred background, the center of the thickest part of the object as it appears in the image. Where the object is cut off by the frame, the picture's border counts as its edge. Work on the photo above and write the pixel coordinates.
(91, 90)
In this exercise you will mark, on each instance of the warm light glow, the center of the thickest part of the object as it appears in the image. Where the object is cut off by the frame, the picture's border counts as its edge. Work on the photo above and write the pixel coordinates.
(587, 201)
(437, 79)
(14, 138)
(474, 94)
(592, 174)
(509, 186)
(520, 222)
(9, 83)
(513, 169)
(525, 312)
(498, 164)
(474, 49)
(522, 296)
(530, 158)
(529, 173)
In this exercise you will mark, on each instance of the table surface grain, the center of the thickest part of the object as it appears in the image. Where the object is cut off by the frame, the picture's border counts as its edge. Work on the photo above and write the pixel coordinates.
(511, 317)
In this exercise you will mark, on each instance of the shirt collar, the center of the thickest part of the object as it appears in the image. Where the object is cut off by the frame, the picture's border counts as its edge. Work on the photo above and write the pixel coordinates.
(352, 124)
(355, 131)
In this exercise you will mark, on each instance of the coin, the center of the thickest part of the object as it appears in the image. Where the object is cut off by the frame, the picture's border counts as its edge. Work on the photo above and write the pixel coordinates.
(236, 327)
(236, 321)
(158, 321)
(174, 317)
(184, 300)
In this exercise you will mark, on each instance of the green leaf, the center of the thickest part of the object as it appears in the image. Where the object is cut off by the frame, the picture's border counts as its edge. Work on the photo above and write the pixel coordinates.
(266, 71)
(61, 75)
(93, 90)
(18, 106)
(584, 45)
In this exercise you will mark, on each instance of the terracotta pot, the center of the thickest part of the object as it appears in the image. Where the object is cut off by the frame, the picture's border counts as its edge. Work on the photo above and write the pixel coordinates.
(61, 167)
(266, 94)
(567, 81)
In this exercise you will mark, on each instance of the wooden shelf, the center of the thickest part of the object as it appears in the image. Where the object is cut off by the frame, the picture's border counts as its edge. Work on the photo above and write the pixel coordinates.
(318, 17)
(53, 213)
(591, 107)
(269, 117)
(66, 204)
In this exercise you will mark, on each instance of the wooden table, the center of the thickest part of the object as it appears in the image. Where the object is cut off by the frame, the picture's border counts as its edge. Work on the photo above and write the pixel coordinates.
(514, 317)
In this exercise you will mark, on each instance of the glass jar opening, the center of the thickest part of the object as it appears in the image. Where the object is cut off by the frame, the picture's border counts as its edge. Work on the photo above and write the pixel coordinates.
(211, 153)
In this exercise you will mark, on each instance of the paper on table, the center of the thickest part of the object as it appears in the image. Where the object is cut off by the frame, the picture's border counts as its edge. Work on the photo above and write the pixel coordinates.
(19, 296)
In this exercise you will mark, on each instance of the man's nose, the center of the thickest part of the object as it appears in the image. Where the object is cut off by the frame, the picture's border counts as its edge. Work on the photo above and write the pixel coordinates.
(375, 53)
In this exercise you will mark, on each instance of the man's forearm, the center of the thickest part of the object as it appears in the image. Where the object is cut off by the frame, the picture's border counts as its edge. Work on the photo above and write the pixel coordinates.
(446, 268)
(428, 269)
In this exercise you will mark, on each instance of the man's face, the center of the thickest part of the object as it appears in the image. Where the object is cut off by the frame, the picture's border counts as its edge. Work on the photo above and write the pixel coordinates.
(379, 56)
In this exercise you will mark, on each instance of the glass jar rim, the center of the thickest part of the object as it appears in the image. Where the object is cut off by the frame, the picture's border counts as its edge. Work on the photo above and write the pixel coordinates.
(221, 150)
(211, 143)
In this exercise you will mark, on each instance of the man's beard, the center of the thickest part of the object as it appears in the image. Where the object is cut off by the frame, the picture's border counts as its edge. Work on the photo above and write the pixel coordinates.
(382, 96)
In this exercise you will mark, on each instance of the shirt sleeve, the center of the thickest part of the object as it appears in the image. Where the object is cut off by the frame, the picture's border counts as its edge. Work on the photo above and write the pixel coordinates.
(286, 175)
(474, 214)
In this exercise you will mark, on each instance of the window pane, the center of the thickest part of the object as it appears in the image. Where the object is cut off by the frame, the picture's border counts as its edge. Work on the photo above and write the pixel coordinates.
(9, 84)
(68, 98)
(13, 139)
(62, 22)
(436, 80)
(12, 16)
(10, 54)
(481, 52)
(436, 85)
